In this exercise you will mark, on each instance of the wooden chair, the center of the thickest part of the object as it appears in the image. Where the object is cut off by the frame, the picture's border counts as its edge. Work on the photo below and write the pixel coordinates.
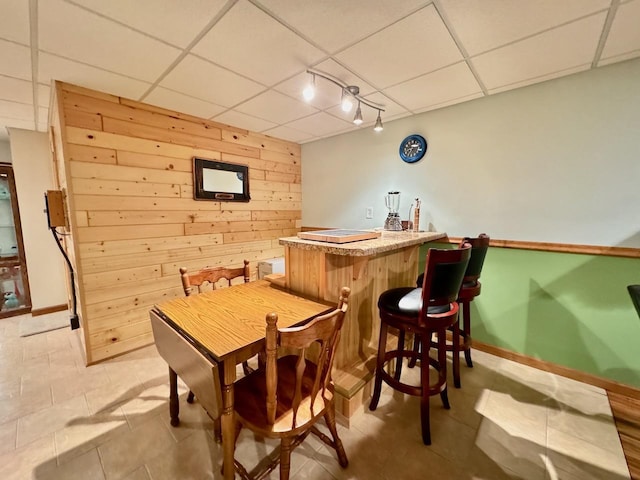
(210, 276)
(424, 311)
(287, 397)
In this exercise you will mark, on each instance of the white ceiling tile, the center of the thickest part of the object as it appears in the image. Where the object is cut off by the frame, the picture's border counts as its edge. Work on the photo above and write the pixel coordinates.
(17, 111)
(265, 44)
(448, 103)
(565, 47)
(174, 22)
(51, 67)
(15, 123)
(241, 120)
(178, 102)
(14, 21)
(43, 115)
(435, 88)
(391, 108)
(542, 78)
(334, 24)
(619, 58)
(15, 60)
(320, 124)
(276, 107)
(75, 33)
(201, 79)
(287, 133)
(411, 47)
(482, 26)
(624, 36)
(44, 94)
(16, 90)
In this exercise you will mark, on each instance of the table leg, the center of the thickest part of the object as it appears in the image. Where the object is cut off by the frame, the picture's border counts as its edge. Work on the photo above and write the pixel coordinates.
(174, 406)
(228, 420)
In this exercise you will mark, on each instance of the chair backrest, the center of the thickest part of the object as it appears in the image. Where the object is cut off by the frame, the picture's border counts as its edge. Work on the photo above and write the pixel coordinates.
(443, 274)
(479, 247)
(311, 377)
(210, 276)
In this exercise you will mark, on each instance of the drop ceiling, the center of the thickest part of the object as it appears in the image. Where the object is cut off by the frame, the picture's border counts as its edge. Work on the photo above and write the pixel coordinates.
(243, 62)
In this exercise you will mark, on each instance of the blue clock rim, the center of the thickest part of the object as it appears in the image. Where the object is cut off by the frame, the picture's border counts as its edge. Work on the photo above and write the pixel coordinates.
(419, 155)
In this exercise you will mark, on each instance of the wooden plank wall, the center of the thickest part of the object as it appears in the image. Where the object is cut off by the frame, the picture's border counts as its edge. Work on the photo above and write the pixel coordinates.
(128, 174)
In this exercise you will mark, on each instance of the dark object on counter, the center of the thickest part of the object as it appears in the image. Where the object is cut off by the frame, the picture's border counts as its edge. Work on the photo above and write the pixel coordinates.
(634, 292)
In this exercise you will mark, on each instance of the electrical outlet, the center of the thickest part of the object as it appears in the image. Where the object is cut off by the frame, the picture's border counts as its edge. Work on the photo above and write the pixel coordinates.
(369, 213)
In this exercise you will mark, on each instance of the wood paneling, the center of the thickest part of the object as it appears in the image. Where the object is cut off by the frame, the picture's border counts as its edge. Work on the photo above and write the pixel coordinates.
(127, 171)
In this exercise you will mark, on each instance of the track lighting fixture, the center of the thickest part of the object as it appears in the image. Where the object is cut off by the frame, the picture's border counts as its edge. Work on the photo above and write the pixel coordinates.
(349, 95)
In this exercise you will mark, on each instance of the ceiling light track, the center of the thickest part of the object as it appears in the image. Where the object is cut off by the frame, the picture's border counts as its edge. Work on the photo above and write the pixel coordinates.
(350, 94)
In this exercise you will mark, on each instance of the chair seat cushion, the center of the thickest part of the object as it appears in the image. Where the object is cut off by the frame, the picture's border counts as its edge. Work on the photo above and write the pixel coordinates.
(406, 301)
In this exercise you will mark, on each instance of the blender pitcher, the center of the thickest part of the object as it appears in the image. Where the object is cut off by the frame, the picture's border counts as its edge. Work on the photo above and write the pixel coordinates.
(392, 202)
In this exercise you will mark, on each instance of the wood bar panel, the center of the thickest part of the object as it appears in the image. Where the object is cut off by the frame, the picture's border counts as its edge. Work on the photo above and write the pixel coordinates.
(126, 168)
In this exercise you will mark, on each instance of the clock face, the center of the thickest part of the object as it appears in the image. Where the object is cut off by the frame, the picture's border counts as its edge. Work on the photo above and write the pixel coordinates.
(413, 148)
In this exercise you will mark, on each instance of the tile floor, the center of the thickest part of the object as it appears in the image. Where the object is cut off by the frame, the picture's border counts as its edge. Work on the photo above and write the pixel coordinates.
(60, 420)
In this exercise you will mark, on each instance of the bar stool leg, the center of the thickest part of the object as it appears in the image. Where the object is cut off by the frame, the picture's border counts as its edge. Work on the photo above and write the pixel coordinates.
(401, 334)
(442, 367)
(377, 388)
(456, 354)
(466, 331)
(425, 422)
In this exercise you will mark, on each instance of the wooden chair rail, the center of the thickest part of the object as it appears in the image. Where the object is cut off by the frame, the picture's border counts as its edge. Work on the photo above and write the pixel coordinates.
(561, 247)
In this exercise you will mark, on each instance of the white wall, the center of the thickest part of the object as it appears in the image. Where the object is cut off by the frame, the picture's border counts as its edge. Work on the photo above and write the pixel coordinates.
(5, 152)
(553, 162)
(33, 175)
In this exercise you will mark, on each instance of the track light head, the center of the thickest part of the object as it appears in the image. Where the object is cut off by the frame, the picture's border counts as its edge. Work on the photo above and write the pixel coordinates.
(358, 118)
(348, 95)
(310, 90)
(378, 126)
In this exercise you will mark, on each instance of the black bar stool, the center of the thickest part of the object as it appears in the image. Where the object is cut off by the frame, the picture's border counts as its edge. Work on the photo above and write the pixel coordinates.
(423, 312)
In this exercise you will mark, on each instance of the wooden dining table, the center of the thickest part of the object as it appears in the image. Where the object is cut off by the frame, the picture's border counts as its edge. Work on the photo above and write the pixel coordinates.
(228, 325)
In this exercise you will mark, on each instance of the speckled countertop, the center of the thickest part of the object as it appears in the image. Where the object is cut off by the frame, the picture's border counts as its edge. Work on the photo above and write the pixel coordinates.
(387, 242)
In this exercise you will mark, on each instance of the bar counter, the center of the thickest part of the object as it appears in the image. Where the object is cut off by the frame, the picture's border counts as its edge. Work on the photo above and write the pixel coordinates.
(368, 267)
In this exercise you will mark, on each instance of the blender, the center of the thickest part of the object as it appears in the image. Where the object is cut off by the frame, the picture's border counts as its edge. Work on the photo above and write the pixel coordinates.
(392, 202)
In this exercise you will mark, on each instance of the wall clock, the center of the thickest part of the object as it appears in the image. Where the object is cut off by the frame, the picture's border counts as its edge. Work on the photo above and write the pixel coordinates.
(413, 148)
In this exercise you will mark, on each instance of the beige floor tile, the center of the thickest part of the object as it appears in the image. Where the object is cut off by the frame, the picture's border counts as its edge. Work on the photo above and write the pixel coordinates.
(597, 429)
(583, 459)
(85, 433)
(20, 405)
(510, 452)
(49, 420)
(140, 474)
(149, 403)
(113, 394)
(126, 452)
(22, 463)
(313, 470)
(522, 419)
(8, 436)
(196, 457)
(84, 467)
(193, 418)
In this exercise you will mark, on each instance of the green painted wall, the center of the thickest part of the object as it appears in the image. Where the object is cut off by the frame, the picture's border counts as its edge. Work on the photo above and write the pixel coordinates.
(569, 309)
